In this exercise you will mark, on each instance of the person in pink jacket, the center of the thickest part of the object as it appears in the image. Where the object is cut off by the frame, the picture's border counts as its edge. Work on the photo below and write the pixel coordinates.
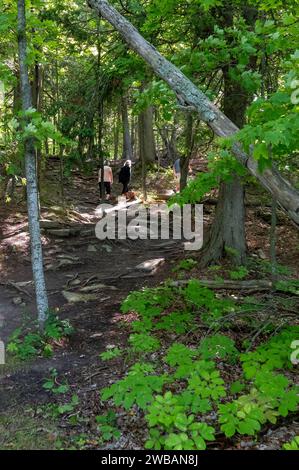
(108, 180)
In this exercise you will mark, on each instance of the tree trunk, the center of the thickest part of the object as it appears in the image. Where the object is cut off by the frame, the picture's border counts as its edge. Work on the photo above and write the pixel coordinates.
(100, 109)
(189, 95)
(142, 155)
(30, 167)
(184, 161)
(227, 235)
(146, 135)
(116, 133)
(127, 144)
(169, 141)
(36, 101)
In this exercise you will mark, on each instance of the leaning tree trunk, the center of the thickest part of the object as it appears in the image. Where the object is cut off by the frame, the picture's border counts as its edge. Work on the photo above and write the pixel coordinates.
(190, 96)
(127, 144)
(31, 177)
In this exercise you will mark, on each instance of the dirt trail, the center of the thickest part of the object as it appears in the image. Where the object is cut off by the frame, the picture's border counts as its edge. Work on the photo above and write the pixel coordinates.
(72, 263)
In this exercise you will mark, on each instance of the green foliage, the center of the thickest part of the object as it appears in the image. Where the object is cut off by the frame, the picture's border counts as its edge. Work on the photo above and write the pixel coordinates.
(272, 124)
(237, 387)
(222, 166)
(274, 354)
(204, 298)
(37, 128)
(51, 384)
(265, 267)
(25, 345)
(239, 273)
(218, 347)
(158, 94)
(143, 343)
(292, 445)
(290, 285)
(242, 416)
(59, 389)
(179, 322)
(111, 353)
(148, 303)
(137, 387)
(179, 354)
(276, 395)
(107, 426)
(185, 265)
(173, 417)
(172, 429)
(206, 384)
(269, 399)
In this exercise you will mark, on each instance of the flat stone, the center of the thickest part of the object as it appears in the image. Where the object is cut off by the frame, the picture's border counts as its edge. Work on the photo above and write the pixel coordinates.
(95, 287)
(49, 224)
(150, 265)
(165, 194)
(75, 282)
(64, 232)
(74, 297)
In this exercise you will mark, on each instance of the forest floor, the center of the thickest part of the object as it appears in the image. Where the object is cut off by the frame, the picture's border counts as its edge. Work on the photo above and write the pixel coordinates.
(106, 271)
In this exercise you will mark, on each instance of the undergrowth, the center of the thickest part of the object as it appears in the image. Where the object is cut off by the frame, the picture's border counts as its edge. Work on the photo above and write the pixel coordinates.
(28, 342)
(192, 377)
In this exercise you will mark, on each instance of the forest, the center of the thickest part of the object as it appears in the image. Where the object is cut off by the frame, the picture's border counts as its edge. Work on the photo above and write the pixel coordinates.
(149, 208)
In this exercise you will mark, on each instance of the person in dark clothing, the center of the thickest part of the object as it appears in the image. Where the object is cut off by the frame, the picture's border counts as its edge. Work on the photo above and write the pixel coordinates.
(125, 176)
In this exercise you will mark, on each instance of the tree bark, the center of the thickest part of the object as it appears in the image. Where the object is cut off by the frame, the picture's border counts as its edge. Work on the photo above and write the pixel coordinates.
(127, 144)
(227, 235)
(189, 95)
(31, 177)
(146, 135)
(184, 161)
(116, 133)
(142, 155)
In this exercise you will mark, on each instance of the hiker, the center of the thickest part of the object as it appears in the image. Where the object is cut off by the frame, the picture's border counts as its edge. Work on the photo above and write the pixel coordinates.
(108, 180)
(125, 176)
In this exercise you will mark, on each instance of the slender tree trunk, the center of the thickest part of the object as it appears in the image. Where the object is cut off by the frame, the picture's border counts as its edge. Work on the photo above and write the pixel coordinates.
(36, 101)
(32, 191)
(100, 117)
(184, 162)
(142, 155)
(133, 141)
(47, 146)
(136, 140)
(61, 175)
(273, 241)
(169, 143)
(116, 133)
(146, 135)
(127, 144)
(189, 95)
